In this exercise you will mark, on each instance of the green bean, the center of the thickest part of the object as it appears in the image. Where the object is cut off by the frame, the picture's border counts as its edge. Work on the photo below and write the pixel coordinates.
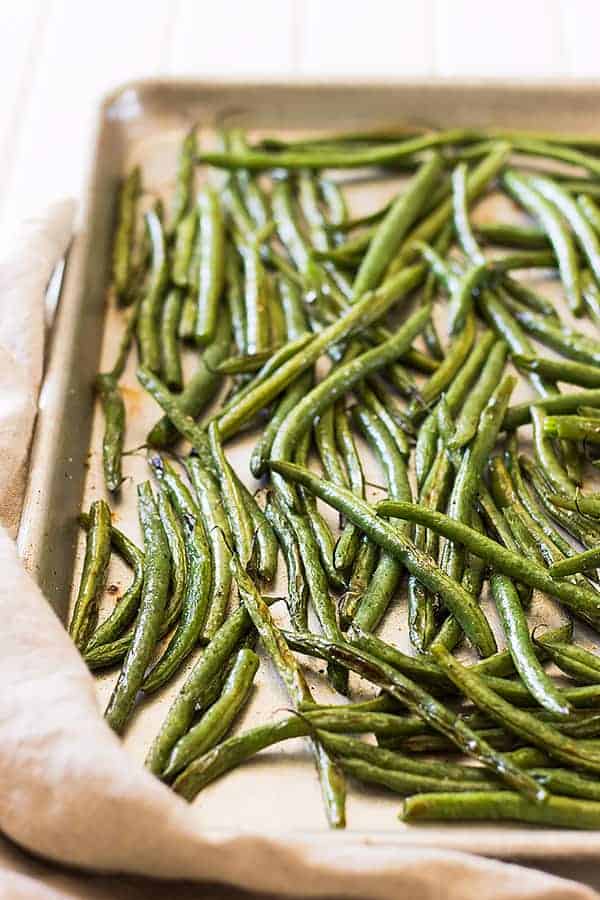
(334, 201)
(566, 341)
(185, 178)
(185, 237)
(343, 746)
(151, 305)
(235, 510)
(560, 370)
(439, 268)
(361, 578)
(318, 590)
(478, 397)
(196, 688)
(289, 400)
(219, 538)
(427, 437)
(511, 235)
(199, 390)
(506, 327)
(193, 609)
(122, 263)
(219, 718)
(462, 226)
(390, 460)
(582, 229)
(573, 428)
(372, 402)
(264, 562)
(574, 660)
(567, 403)
(477, 181)
(590, 211)
(519, 642)
(332, 783)
(363, 313)
(211, 265)
(297, 588)
(580, 562)
(461, 300)
(335, 386)
(93, 576)
(331, 159)
(551, 466)
(397, 544)
(324, 431)
(171, 359)
(173, 530)
(587, 506)
(523, 259)
(580, 600)
(113, 409)
(525, 295)
(393, 228)
(581, 528)
(406, 783)
(148, 622)
(293, 309)
(422, 704)
(126, 608)
(466, 486)
(421, 607)
(519, 722)
(348, 542)
(527, 194)
(439, 381)
(561, 812)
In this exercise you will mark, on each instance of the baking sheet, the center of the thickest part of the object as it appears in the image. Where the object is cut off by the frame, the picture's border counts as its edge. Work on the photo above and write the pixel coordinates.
(144, 123)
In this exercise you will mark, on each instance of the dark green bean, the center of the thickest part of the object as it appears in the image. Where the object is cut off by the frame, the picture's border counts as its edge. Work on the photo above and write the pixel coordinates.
(93, 576)
(573, 428)
(171, 358)
(391, 231)
(152, 606)
(217, 720)
(478, 397)
(185, 178)
(463, 606)
(219, 538)
(580, 600)
(122, 263)
(151, 305)
(211, 265)
(561, 812)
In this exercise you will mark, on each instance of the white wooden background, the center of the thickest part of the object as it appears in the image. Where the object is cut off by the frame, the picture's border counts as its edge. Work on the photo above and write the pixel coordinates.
(57, 57)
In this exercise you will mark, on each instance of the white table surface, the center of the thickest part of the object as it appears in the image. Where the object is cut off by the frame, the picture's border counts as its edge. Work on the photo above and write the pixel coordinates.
(59, 57)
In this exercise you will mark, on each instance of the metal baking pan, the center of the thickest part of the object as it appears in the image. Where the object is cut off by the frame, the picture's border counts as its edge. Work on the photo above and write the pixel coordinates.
(144, 122)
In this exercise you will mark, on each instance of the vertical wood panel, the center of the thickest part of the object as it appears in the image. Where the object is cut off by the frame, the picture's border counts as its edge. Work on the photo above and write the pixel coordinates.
(232, 38)
(348, 38)
(510, 39)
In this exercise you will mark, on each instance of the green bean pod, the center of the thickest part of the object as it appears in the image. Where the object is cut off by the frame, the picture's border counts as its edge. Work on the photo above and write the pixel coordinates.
(169, 325)
(462, 605)
(391, 231)
(185, 238)
(148, 622)
(93, 576)
(217, 720)
(184, 181)
(122, 263)
(151, 305)
(219, 537)
(468, 419)
(212, 265)
(297, 588)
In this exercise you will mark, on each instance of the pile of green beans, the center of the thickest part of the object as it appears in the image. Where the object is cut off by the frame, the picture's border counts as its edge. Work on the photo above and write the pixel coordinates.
(261, 308)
